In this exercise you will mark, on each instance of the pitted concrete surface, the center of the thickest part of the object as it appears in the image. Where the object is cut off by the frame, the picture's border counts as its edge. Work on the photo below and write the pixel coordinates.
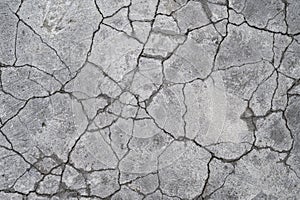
(150, 99)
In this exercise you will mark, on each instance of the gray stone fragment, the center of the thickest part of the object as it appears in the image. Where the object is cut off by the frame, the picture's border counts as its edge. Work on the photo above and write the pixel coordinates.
(46, 126)
(145, 185)
(231, 134)
(221, 27)
(237, 5)
(194, 59)
(148, 79)
(281, 42)
(186, 176)
(9, 106)
(84, 155)
(74, 180)
(141, 30)
(27, 82)
(27, 182)
(261, 101)
(49, 185)
(103, 183)
(120, 21)
(293, 16)
(114, 52)
(219, 172)
(12, 167)
(244, 45)
(10, 196)
(291, 61)
(167, 109)
(260, 13)
(9, 23)
(293, 115)
(142, 9)
(66, 26)
(242, 81)
(145, 148)
(272, 132)
(260, 173)
(280, 98)
(235, 17)
(192, 15)
(217, 11)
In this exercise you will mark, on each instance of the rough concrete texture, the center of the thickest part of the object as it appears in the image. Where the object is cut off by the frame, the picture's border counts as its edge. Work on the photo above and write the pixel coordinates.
(150, 99)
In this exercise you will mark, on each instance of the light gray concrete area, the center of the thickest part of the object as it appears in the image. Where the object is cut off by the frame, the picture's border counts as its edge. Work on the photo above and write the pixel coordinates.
(150, 99)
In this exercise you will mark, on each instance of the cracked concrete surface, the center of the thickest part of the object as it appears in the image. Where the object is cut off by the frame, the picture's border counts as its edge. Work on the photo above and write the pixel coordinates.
(157, 99)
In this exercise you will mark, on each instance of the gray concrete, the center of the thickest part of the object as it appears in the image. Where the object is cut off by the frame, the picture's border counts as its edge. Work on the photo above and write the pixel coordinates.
(150, 99)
